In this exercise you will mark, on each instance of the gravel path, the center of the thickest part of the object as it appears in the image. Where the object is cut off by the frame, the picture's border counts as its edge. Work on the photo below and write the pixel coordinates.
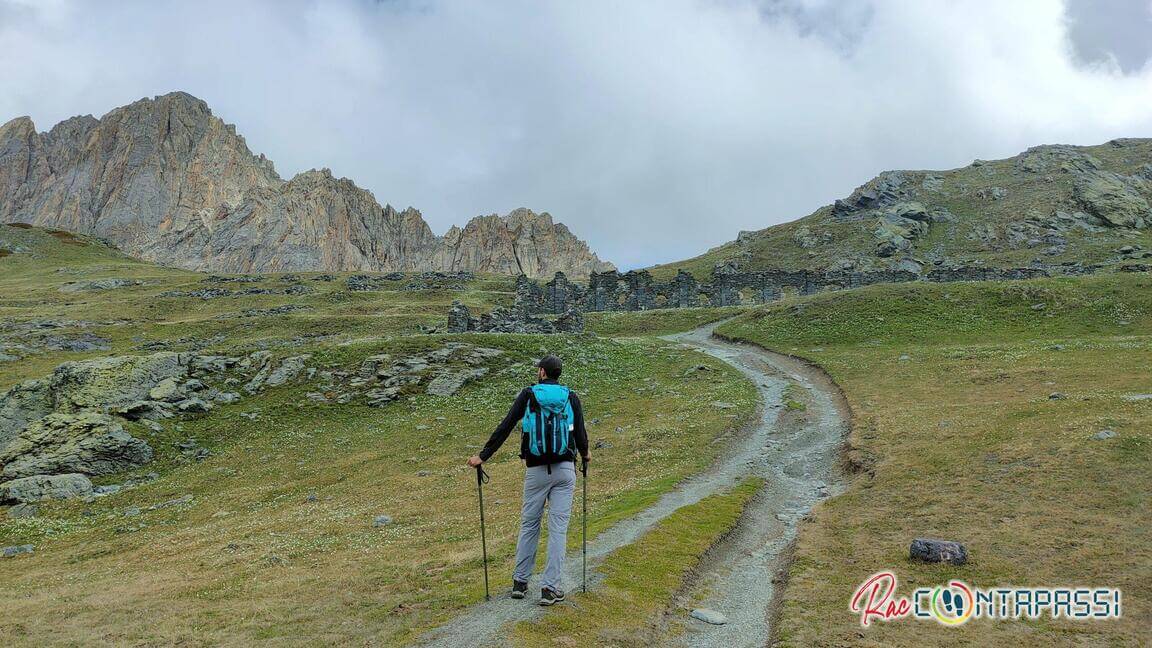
(796, 461)
(800, 463)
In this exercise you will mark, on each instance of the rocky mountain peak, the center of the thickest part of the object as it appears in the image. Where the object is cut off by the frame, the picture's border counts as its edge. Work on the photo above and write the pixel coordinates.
(168, 181)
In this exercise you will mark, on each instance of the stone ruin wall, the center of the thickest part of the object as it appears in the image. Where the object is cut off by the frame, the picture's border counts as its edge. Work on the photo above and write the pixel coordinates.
(636, 290)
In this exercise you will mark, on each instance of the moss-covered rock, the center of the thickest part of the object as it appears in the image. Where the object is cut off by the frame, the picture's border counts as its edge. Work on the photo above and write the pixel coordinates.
(88, 443)
(41, 487)
(1110, 197)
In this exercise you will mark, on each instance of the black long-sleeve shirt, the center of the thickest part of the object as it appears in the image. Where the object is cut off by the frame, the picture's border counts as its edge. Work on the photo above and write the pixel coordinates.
(512, 419)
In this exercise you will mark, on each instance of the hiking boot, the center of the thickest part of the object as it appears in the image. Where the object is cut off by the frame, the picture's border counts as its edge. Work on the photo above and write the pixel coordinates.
(519, 590)
(549, 596)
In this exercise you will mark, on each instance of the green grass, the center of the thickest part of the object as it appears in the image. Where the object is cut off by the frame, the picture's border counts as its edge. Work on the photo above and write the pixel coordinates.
(656, 322)
(252, 558)
(927, 313)
(254, 551)
(132, 317)
(641, 579)
(955, 436)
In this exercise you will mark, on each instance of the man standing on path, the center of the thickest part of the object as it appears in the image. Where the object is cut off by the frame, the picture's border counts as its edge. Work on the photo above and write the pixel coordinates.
(552, 422)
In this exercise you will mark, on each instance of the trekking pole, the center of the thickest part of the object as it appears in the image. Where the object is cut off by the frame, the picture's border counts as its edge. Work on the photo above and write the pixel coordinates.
(584, 531)
(482, 477)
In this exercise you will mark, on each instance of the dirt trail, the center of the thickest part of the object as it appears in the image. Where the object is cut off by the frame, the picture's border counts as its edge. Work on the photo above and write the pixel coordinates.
(800, 464)
(797, 457)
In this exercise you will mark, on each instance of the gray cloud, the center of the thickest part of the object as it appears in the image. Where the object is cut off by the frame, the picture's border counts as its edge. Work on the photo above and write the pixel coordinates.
(1112, 32)
(654, 129)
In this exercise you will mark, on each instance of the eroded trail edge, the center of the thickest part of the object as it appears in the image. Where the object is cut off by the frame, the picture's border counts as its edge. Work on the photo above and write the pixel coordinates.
(796, 454)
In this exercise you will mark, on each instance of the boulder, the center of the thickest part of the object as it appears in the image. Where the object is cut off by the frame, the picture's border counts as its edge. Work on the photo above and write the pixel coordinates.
(288, 370)
(709, 616)
(449, 382)
(104, 384)
(44, 487)
(89, 443)
(1111, 198)
(938, 551)
(23, 511)
(166, 390)
(16, 550)
(895, 233)
(99, 284)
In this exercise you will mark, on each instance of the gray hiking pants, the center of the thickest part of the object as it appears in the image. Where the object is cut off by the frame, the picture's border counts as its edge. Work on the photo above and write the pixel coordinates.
(555, 489)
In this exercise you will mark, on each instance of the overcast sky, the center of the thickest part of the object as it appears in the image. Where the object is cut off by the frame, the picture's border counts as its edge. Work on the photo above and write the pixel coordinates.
(653, 129)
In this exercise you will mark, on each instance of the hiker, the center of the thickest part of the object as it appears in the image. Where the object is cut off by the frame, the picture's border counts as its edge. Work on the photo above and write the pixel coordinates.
(552, 421)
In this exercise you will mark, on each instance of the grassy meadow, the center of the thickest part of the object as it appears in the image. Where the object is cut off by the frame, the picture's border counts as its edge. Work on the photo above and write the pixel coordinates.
(276, 542)
(975, 408)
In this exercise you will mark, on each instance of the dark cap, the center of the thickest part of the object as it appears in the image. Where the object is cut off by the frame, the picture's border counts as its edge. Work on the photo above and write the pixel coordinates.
(551, 366)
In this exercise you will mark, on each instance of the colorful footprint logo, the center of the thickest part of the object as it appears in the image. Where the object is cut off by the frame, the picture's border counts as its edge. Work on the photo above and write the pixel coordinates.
(952, 604)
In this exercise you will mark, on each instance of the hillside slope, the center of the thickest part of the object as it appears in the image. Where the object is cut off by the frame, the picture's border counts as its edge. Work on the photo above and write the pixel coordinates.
(294, 509)
(1011, 416)
(1049, 205)
(167, 181)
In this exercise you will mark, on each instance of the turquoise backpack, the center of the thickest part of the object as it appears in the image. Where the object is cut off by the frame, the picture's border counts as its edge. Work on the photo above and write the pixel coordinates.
(548, 421)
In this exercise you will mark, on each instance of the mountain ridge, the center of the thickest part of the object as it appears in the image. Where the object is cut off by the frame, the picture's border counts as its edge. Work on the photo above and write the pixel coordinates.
(169, 182)
(1048, 205)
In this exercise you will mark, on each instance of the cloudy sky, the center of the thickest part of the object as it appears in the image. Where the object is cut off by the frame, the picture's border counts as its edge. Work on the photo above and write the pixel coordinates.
(654, 129)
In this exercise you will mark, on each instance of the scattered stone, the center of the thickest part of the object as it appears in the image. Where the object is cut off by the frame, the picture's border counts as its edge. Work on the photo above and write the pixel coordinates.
(602, 444)
(81, 342)
(193, 406)
(16, 550)
(166, 390)
(381, 520)
(449, 382)
(98, 284)
(709, 616)
(23, 511)
(381, 397)
(133, 511)
(936, 551)
(191, 450)
(179, 501)
(1104, 434)
(1056, 396)
(722, 405)
(288, 370)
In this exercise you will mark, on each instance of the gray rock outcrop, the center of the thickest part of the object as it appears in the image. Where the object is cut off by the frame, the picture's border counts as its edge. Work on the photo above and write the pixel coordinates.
(27, 490)
(1113, 199)
(101, 384)
(88, 443)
